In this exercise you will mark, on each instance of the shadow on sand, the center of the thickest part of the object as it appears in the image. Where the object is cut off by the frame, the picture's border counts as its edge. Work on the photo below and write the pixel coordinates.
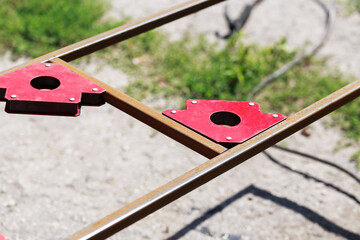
(306, 212)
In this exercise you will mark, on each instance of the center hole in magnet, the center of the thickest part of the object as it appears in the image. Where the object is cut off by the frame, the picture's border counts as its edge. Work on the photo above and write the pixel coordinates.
(45, 83)
(226, 119)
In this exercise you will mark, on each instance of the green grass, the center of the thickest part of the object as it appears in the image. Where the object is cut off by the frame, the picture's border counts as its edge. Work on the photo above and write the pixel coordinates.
(32, 28)
(355, 5)
(189, 68)
(356, 158)
(194, 68)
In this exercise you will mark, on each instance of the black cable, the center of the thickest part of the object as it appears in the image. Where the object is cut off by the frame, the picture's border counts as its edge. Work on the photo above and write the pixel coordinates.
(356, 178)
(237, 24)
(330, 16)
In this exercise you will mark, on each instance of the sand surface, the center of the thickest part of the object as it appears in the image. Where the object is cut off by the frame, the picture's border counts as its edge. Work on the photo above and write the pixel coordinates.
(60, 174)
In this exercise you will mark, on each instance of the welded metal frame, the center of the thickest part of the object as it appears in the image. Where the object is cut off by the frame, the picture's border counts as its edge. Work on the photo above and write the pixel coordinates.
(221, 158)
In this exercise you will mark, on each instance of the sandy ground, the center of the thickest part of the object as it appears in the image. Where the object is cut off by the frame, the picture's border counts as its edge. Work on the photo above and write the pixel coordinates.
(60, 174)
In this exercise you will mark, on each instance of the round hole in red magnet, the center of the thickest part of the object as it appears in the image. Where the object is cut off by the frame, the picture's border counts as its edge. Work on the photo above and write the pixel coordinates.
(225, 119)
(45, 83)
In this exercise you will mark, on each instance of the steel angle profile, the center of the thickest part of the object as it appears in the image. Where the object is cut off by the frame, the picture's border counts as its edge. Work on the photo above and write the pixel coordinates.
(47, 83)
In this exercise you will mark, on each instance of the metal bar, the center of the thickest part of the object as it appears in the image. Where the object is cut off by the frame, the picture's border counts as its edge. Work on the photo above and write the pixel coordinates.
(216, 166)
(205, 172)
(124, 102)
(129, 105)
(152, 118)
(121, 33)
(116, 35)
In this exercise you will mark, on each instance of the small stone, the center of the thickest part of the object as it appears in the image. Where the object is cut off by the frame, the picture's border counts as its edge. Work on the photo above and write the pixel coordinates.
(10, 203)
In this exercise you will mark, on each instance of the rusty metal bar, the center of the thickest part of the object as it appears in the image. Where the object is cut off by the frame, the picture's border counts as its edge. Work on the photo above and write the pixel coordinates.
(152, 118)
(205, 172)
(216, 166)
(121, 33)
(116, 35)
(121, 101)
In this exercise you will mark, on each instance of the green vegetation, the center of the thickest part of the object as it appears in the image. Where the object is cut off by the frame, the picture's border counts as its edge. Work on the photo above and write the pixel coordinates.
(352, 5)
(32, 28)
(194, 68)
(356, 157)
(355, 5)
(189, 68)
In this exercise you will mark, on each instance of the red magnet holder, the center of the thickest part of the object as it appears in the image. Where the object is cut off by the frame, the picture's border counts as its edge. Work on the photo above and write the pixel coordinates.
(2, 237)
(48, 88)
(225, 121)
